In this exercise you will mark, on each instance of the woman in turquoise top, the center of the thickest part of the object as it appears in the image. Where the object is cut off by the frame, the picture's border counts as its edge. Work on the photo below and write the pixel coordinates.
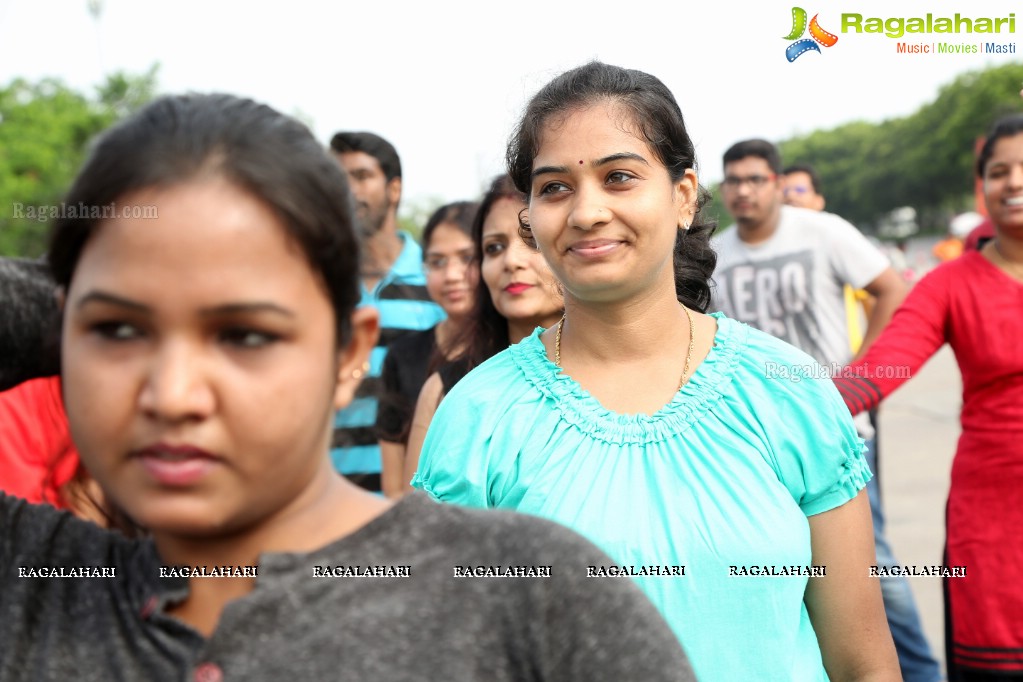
(669, 437)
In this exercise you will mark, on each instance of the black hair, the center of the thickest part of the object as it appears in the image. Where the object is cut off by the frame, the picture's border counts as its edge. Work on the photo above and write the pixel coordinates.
(815, 180)
(1007, 126)
(30, 322)
(459, 213)
(372, 144)
(175, 139)
(657, 115)
(761, 149)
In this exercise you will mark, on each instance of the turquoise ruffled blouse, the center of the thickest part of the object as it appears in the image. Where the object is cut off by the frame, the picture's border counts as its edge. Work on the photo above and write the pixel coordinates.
(721, 481)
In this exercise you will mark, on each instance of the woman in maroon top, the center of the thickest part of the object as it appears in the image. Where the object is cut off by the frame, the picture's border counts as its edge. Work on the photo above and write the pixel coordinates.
(975, 304)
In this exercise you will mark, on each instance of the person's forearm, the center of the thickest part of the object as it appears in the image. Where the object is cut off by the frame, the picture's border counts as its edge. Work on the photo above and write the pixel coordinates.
(392, 460)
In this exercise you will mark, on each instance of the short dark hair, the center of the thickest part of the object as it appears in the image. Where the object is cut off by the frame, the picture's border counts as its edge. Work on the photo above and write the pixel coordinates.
(458, 213)
(1007, 126)
(759, 148)
(30, 323)
(175, 139)
(815, 180)
(658, 117)
(372, 144)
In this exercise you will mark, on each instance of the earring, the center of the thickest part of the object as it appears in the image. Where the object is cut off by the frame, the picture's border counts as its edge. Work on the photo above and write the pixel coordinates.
(358, 373)
(684, 225)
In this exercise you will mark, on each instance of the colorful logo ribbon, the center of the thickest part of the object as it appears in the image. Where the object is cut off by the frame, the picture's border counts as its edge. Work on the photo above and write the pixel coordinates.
(818, 35)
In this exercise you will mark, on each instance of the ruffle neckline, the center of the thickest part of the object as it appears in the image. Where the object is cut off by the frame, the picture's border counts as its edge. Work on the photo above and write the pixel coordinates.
(580, 409)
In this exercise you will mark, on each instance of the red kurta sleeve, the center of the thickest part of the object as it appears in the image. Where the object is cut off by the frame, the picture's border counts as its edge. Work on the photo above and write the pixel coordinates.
(916, 331)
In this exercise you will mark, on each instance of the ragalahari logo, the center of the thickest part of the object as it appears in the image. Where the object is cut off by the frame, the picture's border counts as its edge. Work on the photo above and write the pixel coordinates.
(818, 35)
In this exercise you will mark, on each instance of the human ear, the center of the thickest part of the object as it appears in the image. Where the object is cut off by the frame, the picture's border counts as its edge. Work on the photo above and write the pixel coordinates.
(687, 190)
(353, 361)
(393, 191)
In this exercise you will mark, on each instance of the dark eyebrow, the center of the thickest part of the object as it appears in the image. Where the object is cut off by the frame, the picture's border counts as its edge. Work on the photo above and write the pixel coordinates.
(103, 297)
(548, 170)
(621, 156)
(227, 309)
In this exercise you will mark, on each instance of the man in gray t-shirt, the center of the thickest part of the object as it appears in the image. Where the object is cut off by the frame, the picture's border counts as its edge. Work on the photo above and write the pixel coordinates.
(783, 270)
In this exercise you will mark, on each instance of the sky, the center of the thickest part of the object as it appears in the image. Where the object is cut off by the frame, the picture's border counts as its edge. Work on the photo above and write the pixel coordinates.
(446, 81)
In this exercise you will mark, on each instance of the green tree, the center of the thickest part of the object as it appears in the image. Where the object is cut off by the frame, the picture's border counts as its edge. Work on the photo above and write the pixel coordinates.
(412, 216)
(924, 160)
(45, 128)
(715, 210)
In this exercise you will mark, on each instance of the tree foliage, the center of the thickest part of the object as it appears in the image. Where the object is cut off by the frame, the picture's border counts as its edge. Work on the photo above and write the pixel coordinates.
(45, 129)
(412, 216)
(924, 160)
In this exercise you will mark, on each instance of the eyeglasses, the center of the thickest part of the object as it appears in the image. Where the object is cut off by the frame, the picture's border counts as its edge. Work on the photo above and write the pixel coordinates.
(797, 189)
(733, 182)
(439, 263)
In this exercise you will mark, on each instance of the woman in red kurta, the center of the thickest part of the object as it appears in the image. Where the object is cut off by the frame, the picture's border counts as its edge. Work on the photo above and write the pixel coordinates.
(975, 304)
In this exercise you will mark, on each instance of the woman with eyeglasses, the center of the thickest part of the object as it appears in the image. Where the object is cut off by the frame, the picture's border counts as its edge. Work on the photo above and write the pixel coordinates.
(515, 294)
(452, 273)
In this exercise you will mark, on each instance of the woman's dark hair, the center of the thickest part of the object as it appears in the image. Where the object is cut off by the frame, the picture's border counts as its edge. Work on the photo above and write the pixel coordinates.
(1007, 126)
(659, 119)
(486, 331)
(459, 213)
(30, 322)
(176, 139)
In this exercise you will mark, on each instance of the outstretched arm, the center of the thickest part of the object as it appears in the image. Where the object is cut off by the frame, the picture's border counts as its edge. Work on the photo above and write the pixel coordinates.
(915, 333)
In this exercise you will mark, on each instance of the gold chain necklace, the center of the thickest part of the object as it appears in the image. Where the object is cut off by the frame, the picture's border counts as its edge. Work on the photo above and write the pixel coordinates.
(689, 354)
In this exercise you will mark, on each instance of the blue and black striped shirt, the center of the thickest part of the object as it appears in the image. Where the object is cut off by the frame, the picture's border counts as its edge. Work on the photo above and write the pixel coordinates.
(404, 307)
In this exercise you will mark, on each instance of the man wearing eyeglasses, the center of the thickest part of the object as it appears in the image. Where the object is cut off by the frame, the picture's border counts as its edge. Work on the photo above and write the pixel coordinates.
(783, 269)
(802, 187)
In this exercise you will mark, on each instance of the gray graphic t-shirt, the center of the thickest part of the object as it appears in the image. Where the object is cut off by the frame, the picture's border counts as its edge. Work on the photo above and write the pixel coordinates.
(791, 286)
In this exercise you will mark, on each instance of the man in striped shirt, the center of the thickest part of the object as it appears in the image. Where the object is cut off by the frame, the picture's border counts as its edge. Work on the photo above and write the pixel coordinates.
(393, 282)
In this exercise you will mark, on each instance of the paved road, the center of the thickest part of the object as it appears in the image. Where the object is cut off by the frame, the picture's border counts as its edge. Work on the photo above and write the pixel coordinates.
(919, 427)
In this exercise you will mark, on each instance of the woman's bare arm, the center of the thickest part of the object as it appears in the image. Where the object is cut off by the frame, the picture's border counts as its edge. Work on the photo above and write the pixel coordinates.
(426, 406)
(845, 604)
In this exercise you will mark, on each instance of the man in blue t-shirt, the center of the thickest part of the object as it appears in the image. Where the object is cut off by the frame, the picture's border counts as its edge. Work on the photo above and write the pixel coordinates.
(393, 281)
